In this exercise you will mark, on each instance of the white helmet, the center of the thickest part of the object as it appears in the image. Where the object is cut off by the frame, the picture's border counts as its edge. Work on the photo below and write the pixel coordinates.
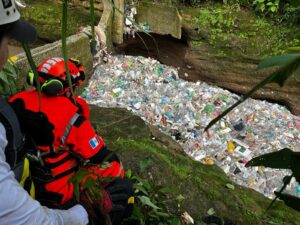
(19, 29)
(8, 12)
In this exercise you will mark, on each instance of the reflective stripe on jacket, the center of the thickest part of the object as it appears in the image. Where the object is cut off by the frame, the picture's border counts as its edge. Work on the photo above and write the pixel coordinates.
(73, 134)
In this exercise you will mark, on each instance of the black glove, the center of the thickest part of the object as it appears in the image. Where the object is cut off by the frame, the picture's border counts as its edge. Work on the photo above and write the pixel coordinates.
(121, 193)
(36, 124)
(116, 201)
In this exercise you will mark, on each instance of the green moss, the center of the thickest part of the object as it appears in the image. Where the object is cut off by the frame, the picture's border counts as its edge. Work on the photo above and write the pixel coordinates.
(46, 17)
(237, 32)
(202, 186)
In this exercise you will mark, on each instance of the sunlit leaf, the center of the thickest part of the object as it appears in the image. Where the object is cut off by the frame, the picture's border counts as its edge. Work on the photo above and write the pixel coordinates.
(230, 186)
(295, 49)
(290, 200)
(128, 173)
(146, 201)
(211, 211)
(180, 198)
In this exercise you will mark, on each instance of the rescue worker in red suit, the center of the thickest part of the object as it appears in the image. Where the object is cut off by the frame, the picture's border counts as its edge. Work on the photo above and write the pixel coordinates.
(73, 141)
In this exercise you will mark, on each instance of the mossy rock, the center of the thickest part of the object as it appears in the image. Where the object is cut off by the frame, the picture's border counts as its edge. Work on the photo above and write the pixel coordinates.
(46, 16)
(202, 186)
(237, 32)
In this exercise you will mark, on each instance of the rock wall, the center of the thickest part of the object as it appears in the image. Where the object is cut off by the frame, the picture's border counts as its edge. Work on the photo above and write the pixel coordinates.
(162, 19)
(240, 75)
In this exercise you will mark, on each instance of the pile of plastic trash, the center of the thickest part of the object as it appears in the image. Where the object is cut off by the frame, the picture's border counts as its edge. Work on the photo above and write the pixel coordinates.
(182, 109)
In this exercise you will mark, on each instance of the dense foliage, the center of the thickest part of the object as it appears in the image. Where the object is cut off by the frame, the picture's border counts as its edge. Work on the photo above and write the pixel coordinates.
(281, 10)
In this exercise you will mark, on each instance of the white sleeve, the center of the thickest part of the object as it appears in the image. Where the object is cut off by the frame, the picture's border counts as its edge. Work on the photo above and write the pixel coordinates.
(18, 208)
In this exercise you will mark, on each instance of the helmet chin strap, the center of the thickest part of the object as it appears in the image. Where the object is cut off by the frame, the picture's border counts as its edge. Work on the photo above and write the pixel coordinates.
(66, 92)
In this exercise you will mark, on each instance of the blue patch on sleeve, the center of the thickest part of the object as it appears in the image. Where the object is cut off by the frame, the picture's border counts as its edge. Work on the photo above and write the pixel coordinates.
(94, 142)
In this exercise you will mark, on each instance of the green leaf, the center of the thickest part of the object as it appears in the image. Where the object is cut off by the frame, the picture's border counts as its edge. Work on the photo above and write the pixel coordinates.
(128, 173)
(144, 164)
(137, 212)
(277, 60)
(273, 9)
(290, 200)
(295, 3)
(180, 198)
(175, 221)
(281, 159)
(4, 78)
(146, 201)
(140, 188)
(162, 214)
(76, 191)
(230, 186)
(167, 189)
(89, 183)
(211, 211)
(79, 175)
(293, 50)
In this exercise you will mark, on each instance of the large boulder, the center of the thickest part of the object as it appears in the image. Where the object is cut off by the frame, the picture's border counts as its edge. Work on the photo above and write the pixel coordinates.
(202, 186)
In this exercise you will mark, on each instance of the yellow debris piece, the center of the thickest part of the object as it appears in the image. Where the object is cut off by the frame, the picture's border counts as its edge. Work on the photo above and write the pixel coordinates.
(208, 161)
(230, 147)
(13, 59)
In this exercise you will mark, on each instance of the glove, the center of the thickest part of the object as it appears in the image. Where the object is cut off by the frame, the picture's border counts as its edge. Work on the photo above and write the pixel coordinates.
(114, 201)
(121, 195)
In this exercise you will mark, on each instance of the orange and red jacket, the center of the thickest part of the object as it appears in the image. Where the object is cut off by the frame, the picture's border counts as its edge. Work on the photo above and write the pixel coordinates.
(73, 135)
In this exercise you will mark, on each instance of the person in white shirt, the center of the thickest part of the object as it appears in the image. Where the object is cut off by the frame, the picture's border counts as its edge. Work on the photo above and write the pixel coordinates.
(16, 206)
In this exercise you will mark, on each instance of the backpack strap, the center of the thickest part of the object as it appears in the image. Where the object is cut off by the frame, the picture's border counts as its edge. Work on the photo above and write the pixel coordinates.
(14, 136)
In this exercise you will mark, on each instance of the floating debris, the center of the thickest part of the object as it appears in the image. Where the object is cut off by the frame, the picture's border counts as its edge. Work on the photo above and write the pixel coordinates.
(183, 109)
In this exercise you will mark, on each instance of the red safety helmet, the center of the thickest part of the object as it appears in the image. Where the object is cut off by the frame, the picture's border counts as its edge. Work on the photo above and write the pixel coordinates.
(53, 76)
